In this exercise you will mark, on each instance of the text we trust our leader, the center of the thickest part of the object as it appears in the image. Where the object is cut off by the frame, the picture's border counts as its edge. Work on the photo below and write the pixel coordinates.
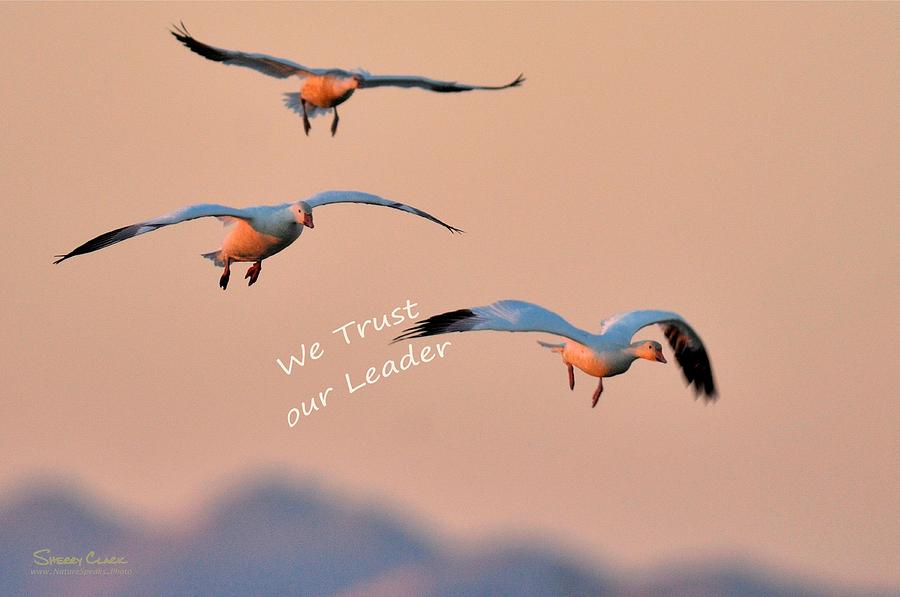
(349, 332)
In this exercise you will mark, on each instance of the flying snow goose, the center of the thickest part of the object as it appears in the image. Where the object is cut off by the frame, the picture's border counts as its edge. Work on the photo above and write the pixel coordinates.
(258, 232)
(609, 353)
(321, 89)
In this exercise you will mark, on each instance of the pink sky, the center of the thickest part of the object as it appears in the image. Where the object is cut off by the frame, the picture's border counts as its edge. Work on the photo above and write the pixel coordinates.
(735, 163)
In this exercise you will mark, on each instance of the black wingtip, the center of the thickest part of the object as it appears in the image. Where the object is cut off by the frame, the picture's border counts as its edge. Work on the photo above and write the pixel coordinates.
(694, 363)
(436, 324)
(182, 34)
(61, 258)
(705, 384)
(179, 31)
(519, 80)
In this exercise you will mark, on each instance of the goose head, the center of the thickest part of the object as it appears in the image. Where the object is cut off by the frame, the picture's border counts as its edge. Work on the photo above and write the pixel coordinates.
(344, 86)
(649, 349)
(303, 214)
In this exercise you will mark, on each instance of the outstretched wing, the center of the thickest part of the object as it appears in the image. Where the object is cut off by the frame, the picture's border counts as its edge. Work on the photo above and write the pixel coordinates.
(689, 349)
(329, 197)
(191, 212)
(267, 65)
(429, 84)
(502, 316)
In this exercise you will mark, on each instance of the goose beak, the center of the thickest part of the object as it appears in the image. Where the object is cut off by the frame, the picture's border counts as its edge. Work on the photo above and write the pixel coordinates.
(308, 221)
(660, 357)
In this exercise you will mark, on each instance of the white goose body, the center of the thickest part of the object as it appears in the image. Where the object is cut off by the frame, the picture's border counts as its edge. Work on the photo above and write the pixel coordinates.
(257, 232)
(597, 361)
(609, 353)
(327, 91)
(269, 234)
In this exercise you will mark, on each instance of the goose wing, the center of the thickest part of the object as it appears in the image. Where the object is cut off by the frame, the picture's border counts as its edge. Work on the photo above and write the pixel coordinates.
(502, 316)
(267, 65)
(429, 84)
(191, 212)
(689, 349)
(329, 197)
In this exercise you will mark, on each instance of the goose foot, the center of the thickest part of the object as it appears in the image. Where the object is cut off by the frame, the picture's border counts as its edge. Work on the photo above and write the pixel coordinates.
(571, 376)
(253, 272)
(334, 122)
(306, 125)
(223, 281)
(597, 393)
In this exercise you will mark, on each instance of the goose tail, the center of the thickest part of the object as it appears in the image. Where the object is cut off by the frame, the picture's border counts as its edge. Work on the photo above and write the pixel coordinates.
(292, 103)
(553, 347)
(215, 257)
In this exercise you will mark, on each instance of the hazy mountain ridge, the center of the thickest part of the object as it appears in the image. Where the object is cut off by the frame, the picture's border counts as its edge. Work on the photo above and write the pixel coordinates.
(269, 537)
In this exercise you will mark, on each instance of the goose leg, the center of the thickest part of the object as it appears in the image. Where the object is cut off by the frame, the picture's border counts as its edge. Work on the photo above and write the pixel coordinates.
(571, 376)
(334, 122)
(223, 281)
(306, 126)
(253, 272)
(597, 393)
